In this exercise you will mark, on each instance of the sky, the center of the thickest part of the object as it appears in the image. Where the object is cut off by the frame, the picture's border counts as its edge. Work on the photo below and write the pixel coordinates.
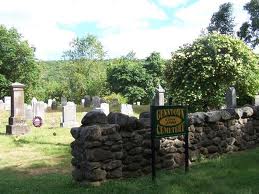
(142, 26)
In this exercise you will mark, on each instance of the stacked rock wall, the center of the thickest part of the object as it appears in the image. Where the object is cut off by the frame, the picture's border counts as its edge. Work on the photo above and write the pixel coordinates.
(119, 146)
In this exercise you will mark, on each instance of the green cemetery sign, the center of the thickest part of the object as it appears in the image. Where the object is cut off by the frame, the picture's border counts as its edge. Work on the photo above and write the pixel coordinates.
(169, 120)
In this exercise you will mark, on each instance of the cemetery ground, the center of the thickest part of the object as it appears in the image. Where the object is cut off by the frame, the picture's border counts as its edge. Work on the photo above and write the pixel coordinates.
(39, 162)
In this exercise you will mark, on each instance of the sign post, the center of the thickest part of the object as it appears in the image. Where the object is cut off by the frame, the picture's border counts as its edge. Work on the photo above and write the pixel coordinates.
(168, 121)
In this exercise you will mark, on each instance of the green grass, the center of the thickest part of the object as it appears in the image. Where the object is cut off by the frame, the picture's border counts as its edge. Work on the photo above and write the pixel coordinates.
(39, 162)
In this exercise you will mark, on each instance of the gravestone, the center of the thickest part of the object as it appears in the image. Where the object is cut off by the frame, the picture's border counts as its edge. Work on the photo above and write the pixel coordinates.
(40, 110)
(231, 98)
(83, 102)
(28, 112)
(17, 123)
(7, 103)
(69, 115)
(87, 102)
(159, 96)
(63, 101)
(127, 109)
(33, 105)
(106, 108)
(2, 107)
(96, 100)
(256, 100)
(45, 106)
(54, 104)
(49, 103)
(138, 103)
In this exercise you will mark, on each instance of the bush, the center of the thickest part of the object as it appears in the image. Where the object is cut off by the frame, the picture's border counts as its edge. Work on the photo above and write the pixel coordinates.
(199, 73)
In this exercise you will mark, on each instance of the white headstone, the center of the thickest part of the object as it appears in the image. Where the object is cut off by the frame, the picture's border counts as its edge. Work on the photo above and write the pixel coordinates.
(127, 109)
(28, 112)
(106, 108)
(2, 107)
(69, 115)
(256, 100)
(33, 105)
(45, 106)
(49, 103)
(83, 102)
(7, 103)
(138, 103)
(38, 109)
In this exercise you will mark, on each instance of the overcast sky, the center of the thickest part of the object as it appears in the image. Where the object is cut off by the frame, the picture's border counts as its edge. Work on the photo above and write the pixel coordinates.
(143, 26)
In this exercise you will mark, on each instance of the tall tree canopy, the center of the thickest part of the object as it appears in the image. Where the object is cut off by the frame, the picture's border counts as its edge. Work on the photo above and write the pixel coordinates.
(249, 31)
(17, 63)
(222, 21)
(130, 79)
(199, 73)
(85, 68)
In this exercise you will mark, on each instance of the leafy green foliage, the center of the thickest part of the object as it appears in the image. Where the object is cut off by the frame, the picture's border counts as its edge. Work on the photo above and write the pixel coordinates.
(87, 47)
(115, 98)
(249, 31)
(199, 73)
(154, 65)
(85, 70)
(17, 63)
(131, 80)
(222, 21)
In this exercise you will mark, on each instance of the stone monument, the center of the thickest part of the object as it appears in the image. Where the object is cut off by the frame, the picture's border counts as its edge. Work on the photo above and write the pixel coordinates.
(69, 115)
(159, 96)
(17, 123)
(231, 98)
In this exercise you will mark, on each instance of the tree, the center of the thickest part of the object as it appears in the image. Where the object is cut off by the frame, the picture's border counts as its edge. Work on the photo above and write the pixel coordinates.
(222, 21)
(88, 47)
(131, 80)
(86, 71)
(199, 73)
(249, 31)
(17, 63)
(154, 64)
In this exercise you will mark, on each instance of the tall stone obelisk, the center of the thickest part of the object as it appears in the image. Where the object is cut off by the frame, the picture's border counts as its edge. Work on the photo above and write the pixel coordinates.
(17, 123)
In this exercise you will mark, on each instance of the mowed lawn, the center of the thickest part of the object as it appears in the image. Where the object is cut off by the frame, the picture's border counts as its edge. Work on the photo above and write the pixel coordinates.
(39, 162)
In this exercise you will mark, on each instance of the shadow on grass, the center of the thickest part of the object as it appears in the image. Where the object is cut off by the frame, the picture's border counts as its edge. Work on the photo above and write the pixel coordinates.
(234, 173)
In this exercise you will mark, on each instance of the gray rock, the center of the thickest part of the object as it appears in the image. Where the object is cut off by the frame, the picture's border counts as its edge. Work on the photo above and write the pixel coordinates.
(145, 115)
(213, 116)
(98, 154)
(77, 174)
(96, 175)
(120, 119)
(239, 112)
(94, 117)
(197, 118)
(115, 173)
(87, 101)
(145, 123)
(247, 111)
(90, 133)
(212, 149)
(75, 132)
(112, 165)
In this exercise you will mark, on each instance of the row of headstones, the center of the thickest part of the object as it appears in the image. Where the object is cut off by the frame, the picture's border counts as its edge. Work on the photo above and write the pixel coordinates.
(68, 119)
(95, 101)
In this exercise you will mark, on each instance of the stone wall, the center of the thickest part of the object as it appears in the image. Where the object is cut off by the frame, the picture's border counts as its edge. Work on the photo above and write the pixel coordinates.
(118, 146)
